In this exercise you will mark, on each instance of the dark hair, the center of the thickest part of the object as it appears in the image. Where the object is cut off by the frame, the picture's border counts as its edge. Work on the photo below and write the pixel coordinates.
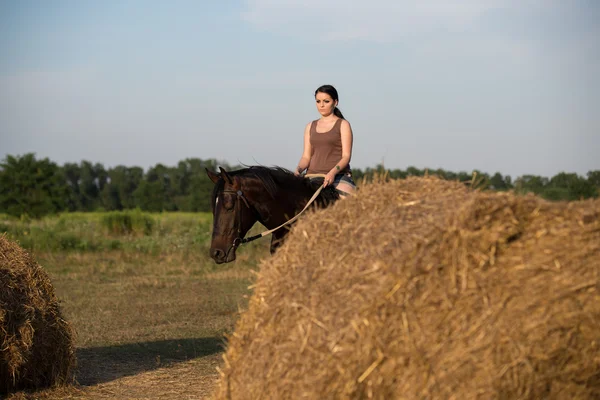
(330, 90)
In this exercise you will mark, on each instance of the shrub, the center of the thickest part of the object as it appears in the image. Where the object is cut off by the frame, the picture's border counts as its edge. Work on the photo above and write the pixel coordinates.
(128, 222)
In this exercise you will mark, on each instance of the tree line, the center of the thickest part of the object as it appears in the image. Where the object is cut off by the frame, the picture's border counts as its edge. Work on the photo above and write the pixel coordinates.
(37, 187)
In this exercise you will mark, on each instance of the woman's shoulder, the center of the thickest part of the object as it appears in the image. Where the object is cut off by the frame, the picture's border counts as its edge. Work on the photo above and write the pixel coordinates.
(345, 123)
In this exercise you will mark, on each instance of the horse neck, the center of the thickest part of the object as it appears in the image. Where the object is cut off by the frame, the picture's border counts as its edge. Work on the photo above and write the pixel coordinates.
(289, 200)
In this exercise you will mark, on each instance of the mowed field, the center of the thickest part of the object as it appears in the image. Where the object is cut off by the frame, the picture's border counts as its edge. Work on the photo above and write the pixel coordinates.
(149, 307)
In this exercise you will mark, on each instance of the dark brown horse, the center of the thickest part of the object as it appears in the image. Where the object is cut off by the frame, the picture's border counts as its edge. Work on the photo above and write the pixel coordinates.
(270, 196)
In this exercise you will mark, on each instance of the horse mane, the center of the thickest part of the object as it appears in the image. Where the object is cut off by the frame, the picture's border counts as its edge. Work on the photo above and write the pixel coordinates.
(276, 178)
(272, 178)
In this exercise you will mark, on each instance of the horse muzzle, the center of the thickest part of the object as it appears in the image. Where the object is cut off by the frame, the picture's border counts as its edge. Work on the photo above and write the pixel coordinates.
(221, 256)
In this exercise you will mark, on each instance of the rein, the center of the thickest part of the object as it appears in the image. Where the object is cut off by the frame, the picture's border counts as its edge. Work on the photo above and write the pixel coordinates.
(240, 195)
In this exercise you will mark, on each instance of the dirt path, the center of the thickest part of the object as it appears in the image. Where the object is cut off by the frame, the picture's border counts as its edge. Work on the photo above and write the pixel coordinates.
(194, 379)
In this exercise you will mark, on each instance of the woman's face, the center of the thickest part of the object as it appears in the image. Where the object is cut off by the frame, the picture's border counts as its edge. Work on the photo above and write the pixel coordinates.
(325, 104)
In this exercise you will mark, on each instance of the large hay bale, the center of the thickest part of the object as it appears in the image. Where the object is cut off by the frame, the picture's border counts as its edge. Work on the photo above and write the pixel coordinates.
(422, 288)
(36, 343)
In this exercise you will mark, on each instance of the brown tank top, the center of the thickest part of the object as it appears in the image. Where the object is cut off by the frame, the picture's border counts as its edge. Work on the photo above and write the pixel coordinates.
(326, 149)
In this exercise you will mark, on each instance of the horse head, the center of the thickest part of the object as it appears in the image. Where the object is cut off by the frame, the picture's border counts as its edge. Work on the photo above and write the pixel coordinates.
(233, 215)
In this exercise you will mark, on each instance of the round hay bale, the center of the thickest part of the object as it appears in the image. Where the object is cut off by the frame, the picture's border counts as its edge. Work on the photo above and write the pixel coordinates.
(422, 288)
(36, 343)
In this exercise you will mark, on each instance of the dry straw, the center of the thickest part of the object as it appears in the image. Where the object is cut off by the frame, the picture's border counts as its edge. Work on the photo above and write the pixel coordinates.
(36, 343)
(424, 289)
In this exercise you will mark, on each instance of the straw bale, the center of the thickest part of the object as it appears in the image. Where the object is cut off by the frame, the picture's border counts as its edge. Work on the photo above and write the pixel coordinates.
(36, 343)
(424, 289)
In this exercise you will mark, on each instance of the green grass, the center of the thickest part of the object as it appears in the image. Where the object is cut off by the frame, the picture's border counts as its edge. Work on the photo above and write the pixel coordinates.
(129, 231)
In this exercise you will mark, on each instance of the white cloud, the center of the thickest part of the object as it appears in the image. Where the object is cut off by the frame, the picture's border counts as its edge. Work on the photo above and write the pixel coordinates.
(374, 20)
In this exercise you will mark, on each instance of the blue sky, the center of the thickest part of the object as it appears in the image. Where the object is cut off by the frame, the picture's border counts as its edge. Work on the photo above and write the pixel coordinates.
(495, 85)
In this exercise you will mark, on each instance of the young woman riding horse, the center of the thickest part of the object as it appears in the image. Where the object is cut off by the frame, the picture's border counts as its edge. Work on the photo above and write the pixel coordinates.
(273, 196)
(328, 143)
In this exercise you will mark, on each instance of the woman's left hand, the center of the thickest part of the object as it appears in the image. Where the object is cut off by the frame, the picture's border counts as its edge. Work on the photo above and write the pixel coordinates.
(329, 178)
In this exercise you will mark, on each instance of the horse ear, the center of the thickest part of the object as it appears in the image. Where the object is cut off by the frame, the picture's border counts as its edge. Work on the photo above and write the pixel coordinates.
(225, 176)
(213, 177)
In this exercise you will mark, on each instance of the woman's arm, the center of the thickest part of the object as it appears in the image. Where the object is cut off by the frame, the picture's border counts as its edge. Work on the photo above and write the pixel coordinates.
(306, 154)
(347, 139)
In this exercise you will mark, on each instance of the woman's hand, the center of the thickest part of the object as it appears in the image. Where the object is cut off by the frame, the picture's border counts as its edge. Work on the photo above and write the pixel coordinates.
(329, 178)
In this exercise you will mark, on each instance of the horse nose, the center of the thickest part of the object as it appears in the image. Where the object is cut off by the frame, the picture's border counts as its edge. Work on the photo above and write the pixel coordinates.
(217, 255)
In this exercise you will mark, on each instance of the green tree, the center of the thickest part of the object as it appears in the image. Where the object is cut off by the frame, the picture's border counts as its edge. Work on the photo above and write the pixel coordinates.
(72, 176)
(201, 190)
(158, 182)
(92, 180)
(499, 182)
(531, 183)
(462, 176)
(440, 173)
(180, 186)
(201, 186)
(414, 171)
(121, 183)
(397, 174)
(593, 177)
(150, 196)
(31, 187)
(111, 199)
(569, 186)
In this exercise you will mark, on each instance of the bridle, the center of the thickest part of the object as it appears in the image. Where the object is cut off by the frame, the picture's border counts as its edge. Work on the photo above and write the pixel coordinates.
(239, 239)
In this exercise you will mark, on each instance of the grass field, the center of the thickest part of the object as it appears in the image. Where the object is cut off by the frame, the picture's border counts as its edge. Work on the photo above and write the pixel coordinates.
(149, 306)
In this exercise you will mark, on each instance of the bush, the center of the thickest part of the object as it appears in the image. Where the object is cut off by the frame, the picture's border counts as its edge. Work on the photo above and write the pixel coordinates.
(128, 222)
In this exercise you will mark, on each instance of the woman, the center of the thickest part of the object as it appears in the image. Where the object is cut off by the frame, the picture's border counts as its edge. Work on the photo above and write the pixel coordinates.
(328, 144)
